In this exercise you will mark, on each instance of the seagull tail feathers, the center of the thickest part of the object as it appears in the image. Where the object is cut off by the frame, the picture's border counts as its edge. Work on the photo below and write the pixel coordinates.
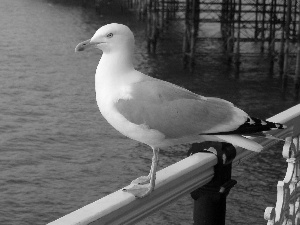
(253, 127)
(241, 142)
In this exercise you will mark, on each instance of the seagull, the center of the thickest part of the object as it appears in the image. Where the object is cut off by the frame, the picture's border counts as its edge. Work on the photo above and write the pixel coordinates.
(158, 113)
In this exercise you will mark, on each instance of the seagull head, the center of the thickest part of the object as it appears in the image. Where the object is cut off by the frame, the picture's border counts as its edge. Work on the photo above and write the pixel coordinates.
(109, 38)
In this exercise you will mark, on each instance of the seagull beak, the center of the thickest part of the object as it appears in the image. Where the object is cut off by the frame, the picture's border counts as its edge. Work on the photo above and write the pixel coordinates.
(83, 45)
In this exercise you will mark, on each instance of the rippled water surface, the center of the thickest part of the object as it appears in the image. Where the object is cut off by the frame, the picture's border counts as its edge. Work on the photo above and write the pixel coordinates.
(58, 153)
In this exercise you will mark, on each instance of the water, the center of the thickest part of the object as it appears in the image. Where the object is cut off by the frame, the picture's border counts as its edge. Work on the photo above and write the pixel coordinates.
(57, 152)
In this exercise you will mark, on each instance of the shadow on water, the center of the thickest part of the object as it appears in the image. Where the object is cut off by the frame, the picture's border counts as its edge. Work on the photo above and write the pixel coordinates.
(57, 152)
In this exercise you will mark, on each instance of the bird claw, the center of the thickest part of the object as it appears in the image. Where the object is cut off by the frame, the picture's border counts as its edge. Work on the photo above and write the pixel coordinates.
(141, 180)
(139, 191)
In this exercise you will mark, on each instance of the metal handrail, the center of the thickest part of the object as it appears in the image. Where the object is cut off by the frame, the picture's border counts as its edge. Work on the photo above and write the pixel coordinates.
(172, 183)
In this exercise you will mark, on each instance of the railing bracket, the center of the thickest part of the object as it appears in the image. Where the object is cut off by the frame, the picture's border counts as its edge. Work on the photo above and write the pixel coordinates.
(210, 199)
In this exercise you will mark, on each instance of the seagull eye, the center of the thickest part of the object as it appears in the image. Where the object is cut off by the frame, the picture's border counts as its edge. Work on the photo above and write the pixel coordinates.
(110, 35)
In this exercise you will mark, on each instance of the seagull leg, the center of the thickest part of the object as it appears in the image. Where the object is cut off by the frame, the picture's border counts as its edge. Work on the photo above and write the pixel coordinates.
(153, 170)
(141, 190)
(146, 179)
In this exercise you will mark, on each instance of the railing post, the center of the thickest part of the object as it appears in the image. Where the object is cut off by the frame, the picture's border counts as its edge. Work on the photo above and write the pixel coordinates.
(210, 199)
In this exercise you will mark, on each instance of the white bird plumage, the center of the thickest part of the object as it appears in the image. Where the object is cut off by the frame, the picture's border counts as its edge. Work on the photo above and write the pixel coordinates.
(155, 112)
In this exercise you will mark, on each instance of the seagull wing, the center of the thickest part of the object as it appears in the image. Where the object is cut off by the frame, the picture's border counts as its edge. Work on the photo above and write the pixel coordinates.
(177, 112)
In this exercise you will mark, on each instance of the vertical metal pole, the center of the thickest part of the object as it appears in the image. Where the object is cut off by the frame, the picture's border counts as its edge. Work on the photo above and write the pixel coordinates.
(224, 22)
(187, 34)
(272, 36)
(148, 25)
(156, 28)
(231, 29)
(192, 43)
(162, 8)
(229, 33)
(262, 47)
(152, 25)
(295, 21)
(210, 200)
(286, 47)
(297, 71)
(256, 32)
(237, 54)
(194, 32)
(282, 41)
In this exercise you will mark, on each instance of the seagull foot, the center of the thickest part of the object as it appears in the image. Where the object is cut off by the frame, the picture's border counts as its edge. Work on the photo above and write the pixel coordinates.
(141, 180)
(139, 191)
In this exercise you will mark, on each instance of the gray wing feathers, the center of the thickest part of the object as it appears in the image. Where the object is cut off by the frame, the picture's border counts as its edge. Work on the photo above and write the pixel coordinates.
(177, 112)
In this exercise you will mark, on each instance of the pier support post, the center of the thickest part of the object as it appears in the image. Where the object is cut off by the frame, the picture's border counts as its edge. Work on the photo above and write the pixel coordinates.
(152, 25)
(272, 35)
(192, 20)
(210, 200)
(297, 70)
(286, 46)
(262, 46)
(227, 28)
(238, 40)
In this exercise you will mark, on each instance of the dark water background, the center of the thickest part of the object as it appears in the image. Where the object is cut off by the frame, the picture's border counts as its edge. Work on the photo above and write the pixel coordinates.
(58, 154)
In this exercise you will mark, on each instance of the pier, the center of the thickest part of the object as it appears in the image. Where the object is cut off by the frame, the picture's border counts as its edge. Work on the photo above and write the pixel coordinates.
(243, 29)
